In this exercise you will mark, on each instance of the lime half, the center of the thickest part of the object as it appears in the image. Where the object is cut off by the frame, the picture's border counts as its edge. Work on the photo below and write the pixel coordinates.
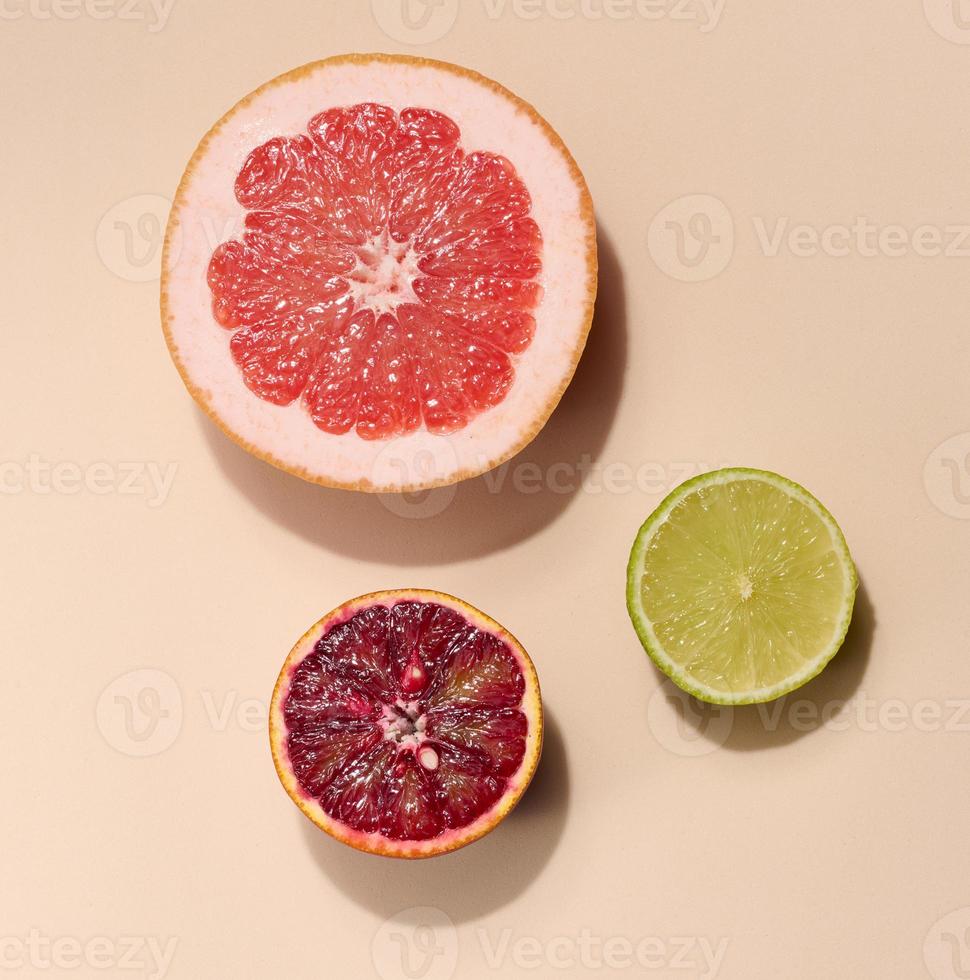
(740, 586)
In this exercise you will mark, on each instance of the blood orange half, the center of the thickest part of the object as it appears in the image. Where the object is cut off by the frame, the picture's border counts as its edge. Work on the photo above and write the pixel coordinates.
(406, 723)
(379, 272)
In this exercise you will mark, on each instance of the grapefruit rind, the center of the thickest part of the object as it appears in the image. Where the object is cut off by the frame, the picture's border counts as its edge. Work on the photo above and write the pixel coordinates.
(644, 628)
(375, 843)
(491, 118)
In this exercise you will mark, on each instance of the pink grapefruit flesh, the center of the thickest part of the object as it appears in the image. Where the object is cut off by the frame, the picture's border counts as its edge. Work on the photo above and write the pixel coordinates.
(379, 272)
(406, 723)
(385, 276)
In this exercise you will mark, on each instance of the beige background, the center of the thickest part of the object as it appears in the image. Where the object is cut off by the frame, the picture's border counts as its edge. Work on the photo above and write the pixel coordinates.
(812, 850)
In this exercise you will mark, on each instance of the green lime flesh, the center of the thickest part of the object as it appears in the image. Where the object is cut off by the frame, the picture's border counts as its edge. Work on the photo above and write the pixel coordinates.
(740, 586)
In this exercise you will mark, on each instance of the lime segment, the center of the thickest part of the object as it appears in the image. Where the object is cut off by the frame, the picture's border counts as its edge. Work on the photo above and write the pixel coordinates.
(740, 586)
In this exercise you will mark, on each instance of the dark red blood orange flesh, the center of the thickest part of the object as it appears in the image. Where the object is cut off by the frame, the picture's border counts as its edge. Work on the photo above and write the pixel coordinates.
(385, 277)
(406, 723)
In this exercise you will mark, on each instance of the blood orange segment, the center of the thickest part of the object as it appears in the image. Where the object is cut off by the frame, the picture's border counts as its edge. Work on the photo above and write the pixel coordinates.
(406, 723)
(327, 289)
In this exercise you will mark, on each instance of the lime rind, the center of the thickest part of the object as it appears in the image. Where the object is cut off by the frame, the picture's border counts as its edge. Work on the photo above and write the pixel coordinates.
(647, 634)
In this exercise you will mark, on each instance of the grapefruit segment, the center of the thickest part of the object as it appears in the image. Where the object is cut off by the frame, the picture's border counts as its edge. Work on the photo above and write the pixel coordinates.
(275, 174)
(426, 167)
(460, 375)
(486, 192)
(282, 236)
(507, 249)
(387, 275)
(389, 399)
(406, 723)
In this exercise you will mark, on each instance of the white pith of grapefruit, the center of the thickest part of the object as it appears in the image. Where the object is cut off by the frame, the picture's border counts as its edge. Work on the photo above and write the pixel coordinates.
(206, 213)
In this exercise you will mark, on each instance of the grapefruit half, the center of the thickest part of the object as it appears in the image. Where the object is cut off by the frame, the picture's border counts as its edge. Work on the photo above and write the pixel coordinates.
(379, 272)
(406, 723)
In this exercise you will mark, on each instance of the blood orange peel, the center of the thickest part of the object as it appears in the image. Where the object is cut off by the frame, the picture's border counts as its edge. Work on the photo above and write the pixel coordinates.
(377, 260)
(406, 723)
